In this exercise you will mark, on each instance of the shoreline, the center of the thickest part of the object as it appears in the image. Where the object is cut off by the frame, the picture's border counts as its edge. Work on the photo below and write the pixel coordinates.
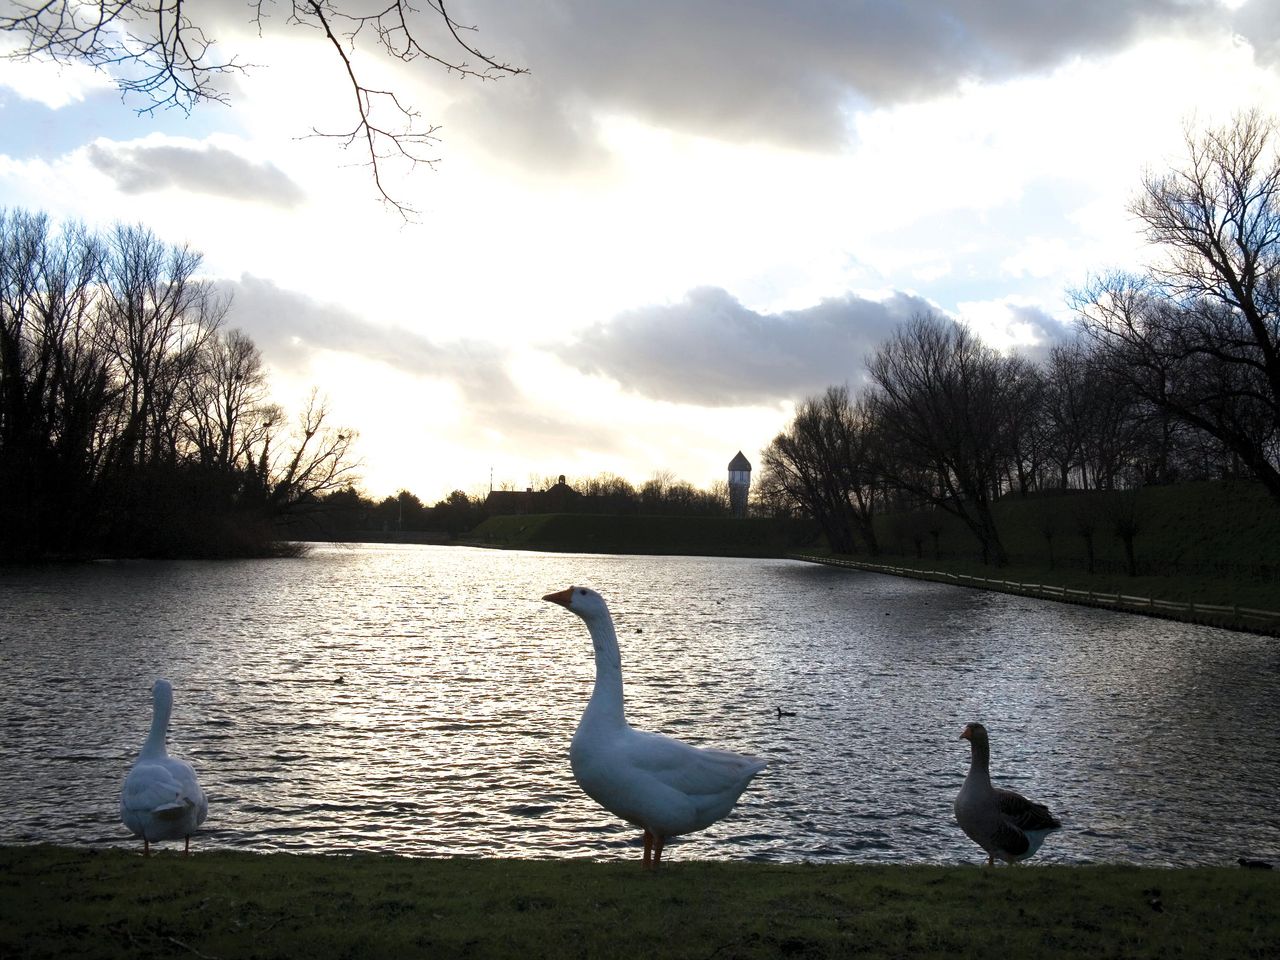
(1236, 617)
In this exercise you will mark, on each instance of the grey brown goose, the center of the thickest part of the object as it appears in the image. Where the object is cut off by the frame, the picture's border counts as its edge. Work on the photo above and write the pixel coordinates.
(1003, 823)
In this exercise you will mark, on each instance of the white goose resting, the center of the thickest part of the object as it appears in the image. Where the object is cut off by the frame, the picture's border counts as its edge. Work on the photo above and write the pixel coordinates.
(661, 785)
(1003, 823)
(162, 799)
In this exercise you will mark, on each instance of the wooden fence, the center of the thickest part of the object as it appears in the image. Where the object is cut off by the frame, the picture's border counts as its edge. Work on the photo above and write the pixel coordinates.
(1248, 618)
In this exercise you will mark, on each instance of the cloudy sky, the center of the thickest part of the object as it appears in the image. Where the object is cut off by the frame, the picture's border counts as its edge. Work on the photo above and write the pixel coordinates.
(684, 218)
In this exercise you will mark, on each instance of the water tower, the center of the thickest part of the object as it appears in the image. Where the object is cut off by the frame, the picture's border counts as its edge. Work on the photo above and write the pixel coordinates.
(739, 484)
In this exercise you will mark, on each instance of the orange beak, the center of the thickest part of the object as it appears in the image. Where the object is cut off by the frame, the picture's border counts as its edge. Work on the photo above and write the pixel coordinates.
(561, 597)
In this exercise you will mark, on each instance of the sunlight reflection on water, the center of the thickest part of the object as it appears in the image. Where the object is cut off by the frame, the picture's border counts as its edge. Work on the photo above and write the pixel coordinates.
(420, 700)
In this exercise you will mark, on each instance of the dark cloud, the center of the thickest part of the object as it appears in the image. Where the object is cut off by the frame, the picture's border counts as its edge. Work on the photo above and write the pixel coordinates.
(764, 70)
(1258, 21)
(140, 168)
(780, 71)
(711, 350)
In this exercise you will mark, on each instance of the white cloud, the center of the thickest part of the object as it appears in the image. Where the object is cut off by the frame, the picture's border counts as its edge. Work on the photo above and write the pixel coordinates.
(52, 84)
(1010, 324)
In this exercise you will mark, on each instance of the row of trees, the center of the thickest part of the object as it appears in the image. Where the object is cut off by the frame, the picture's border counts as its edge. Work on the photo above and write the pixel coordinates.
(350, 512)
(131, 421)
(663, 494)
(1175, 375)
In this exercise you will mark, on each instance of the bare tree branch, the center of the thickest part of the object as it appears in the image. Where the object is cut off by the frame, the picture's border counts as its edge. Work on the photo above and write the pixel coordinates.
(1197, 334)
(153, 50)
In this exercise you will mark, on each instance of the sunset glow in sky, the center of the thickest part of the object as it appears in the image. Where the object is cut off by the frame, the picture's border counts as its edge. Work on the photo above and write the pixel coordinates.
(681, 221)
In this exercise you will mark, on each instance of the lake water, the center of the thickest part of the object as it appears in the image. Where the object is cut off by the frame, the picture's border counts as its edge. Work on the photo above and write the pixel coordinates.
(420, 700)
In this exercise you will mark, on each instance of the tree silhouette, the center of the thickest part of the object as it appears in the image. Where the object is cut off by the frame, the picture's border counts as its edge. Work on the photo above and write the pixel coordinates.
(941, 400)
(824, 463)
(1197, 335)
(130, 423)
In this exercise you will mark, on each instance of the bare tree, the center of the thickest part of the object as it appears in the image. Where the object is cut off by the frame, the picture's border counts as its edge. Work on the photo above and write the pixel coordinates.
(128, 423)
(1124, 512)
(1023, 412)
(1197, 335)
(824, 463)
(940, 398)
(718, 492)
(1115, 437)
(606, 484)
(653, 492)
(1085, 520)
(317, 459)
(55, 381)
(1066, 406)
(226, 402)
(1048, 521)
(155, 321)
(155, 51)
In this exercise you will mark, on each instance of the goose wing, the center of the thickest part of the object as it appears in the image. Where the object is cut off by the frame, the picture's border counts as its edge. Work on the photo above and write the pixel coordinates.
(165, 789)
(694, 771)
(1025, 814)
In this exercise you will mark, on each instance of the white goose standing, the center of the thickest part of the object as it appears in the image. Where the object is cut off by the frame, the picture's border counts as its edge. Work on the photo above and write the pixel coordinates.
(659, 784)
(162, 799)
(1003, 823)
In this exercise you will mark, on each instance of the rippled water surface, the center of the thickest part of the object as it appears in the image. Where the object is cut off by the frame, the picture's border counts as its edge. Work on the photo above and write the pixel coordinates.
(421, 700)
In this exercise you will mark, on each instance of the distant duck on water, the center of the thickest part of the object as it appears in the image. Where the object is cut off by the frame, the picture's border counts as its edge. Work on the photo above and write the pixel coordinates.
(785, 713)
(161, 798)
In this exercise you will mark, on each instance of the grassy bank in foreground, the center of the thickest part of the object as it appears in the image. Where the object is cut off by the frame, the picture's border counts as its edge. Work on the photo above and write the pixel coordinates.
(57, 902)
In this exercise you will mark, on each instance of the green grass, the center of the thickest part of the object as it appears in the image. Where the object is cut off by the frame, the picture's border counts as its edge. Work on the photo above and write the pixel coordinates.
(57, 902)
(1222, 530)
(1204, 543)
(590, 533)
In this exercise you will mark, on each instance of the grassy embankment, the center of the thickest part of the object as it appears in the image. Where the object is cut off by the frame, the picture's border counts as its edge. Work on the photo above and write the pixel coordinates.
(61, 903)
(1203, 543)
(590, 533)
(1210, 543)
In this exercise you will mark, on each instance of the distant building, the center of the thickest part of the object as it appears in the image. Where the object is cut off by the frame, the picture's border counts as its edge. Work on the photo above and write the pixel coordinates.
(739, 484)
(557, 498)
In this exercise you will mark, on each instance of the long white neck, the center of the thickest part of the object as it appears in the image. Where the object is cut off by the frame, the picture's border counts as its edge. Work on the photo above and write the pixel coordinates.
(605, 706)
(161, 711)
